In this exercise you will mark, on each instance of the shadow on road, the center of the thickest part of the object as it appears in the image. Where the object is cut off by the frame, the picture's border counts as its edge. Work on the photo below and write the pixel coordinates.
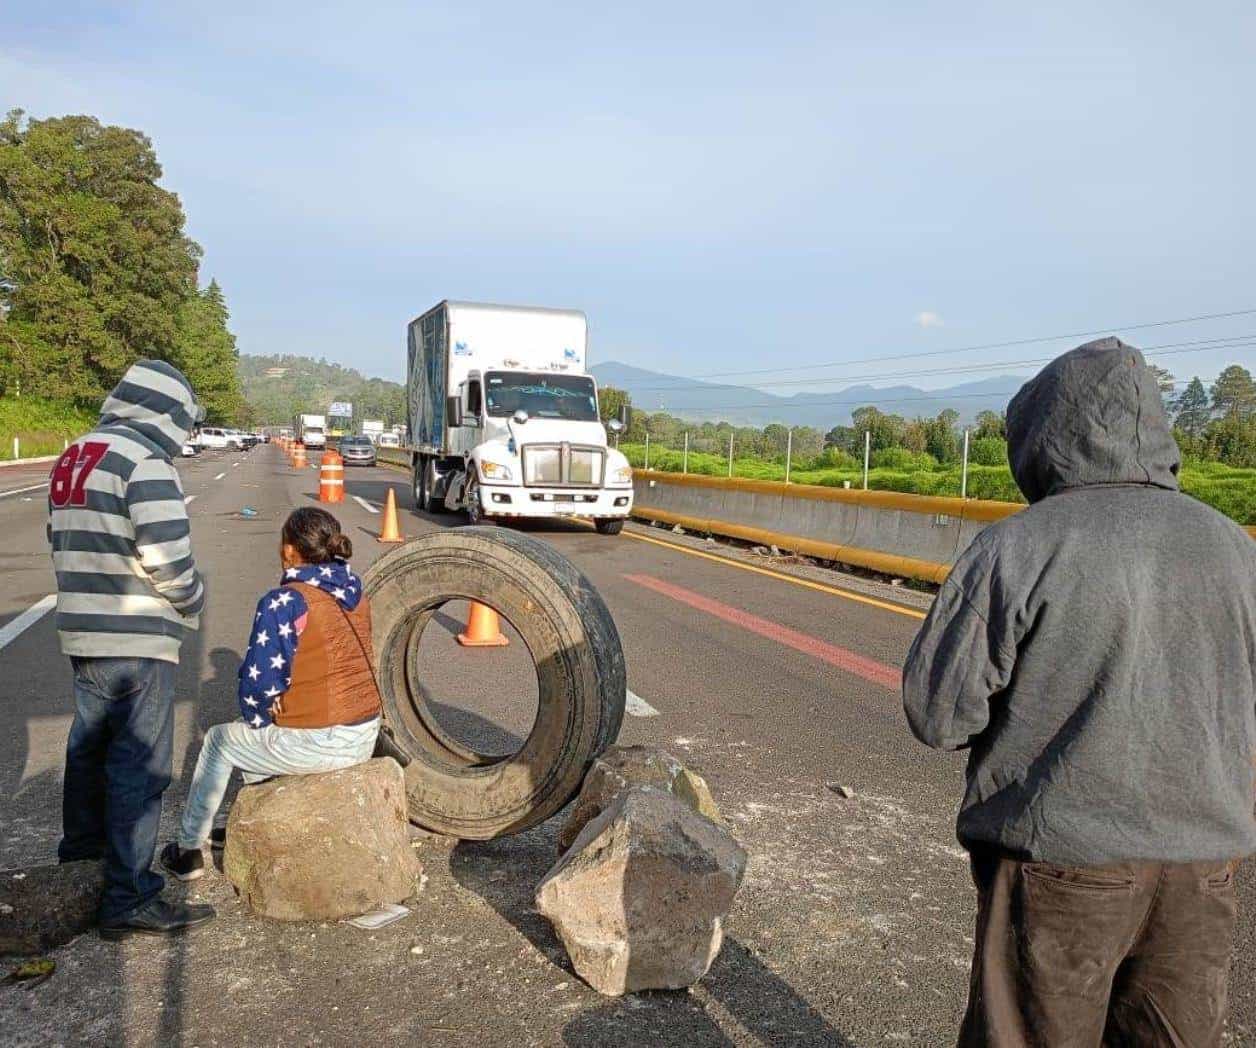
(760, 1001)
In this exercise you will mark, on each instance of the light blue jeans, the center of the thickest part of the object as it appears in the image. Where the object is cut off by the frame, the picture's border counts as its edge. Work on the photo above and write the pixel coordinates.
(260, 753)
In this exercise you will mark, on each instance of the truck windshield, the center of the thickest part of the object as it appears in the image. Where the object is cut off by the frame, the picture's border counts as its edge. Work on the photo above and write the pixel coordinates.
(541, 395)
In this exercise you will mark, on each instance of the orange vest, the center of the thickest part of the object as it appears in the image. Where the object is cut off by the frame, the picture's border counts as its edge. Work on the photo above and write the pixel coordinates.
(332, 679)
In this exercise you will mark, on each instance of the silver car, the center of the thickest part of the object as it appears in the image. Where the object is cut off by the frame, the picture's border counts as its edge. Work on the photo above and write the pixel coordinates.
(357, 451)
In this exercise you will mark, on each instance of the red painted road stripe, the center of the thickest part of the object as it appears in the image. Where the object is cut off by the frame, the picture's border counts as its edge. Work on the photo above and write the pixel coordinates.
(869, 669)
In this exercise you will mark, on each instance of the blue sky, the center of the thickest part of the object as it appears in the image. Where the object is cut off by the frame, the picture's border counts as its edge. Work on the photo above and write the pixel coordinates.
(722, 187)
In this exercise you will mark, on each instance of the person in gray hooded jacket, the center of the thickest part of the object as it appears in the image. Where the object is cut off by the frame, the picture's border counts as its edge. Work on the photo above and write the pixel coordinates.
(1096, 653)
(128, 591)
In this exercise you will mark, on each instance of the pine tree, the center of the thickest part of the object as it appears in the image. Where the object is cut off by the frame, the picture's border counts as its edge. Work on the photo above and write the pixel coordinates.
(1234, 392)
(206, 353)
(1193, 411)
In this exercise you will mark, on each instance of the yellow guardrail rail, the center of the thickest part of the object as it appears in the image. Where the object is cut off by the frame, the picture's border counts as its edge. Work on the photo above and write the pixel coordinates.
(974, 512)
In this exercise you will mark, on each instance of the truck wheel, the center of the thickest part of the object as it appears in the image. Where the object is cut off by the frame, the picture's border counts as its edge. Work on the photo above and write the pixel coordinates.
(431, 504)
(609, 527)
(567, 629)
(419, 478)
(475, 512)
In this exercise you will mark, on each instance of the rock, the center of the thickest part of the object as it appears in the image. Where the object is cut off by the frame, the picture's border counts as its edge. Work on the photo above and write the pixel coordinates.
(775, 551)
(678, 530)
(845, 792)
(622, 767)
(322, 847)
(420, 836)
(640, 898)
(42, 907)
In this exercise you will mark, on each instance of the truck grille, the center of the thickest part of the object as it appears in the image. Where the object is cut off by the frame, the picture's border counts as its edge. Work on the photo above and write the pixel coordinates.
(562, 466)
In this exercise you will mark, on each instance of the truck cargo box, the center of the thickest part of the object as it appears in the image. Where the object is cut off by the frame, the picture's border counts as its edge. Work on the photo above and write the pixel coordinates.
(454, 338)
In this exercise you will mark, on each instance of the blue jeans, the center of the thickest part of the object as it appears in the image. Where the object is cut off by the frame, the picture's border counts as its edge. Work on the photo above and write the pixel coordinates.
(117, 766)
(260, 753)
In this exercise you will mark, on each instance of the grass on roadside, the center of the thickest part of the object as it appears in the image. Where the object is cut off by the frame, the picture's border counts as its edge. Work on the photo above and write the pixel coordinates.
(1228, 489)
(41, 427)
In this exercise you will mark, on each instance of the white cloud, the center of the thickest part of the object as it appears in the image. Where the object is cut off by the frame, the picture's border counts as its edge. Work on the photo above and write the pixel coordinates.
(929, 319)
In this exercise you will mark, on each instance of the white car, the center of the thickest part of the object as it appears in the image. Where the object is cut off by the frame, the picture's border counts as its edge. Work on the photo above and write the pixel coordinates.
(388, 440)
(215, 437)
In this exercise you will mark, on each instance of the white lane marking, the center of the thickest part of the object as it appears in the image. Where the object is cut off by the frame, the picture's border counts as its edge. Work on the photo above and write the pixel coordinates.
(12, 630)
(636, 706)
(20, 491)
(220, 476)
(235, 465)
(364, 504)
(187, 499)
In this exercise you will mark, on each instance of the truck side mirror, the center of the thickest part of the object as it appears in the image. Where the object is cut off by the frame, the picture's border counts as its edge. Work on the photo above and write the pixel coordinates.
(453, 410)
(520, 416)
(625, 415)
(615, 426)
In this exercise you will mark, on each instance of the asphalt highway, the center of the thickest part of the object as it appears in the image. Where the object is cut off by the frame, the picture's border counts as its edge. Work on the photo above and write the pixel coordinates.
(774, 681)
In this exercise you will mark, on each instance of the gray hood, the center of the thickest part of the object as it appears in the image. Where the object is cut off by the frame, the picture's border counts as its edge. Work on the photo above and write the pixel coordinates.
(155, 400)
(1092, 416)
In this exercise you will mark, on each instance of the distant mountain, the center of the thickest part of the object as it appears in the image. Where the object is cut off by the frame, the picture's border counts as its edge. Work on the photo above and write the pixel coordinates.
(746, 406)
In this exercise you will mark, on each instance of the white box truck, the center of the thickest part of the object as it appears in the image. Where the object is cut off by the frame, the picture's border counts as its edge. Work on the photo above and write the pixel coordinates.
(503, 418)
(372, 428)
(311, 430)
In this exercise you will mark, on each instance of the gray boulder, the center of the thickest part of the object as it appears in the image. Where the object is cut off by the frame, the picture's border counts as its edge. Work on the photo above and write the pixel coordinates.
(622, 767)
(42, 907)
(324, 846)
(640, 898)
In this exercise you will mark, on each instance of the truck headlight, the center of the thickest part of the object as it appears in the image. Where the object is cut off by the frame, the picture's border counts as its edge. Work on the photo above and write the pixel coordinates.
(495, 471)
(623, 475)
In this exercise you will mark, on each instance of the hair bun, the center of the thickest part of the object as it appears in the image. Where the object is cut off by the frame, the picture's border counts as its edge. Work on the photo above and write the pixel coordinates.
(339, 546)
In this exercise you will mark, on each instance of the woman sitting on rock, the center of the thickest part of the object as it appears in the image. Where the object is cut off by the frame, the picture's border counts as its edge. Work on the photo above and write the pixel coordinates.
(307, 692)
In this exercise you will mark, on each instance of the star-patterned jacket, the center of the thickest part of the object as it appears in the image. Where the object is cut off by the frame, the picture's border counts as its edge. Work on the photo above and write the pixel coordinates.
(266, 672)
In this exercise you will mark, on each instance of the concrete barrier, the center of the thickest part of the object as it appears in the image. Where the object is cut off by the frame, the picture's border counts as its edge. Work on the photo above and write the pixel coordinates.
(915, 536)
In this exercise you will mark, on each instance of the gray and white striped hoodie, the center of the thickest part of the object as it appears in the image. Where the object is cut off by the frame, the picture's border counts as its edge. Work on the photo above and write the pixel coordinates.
(127, 584)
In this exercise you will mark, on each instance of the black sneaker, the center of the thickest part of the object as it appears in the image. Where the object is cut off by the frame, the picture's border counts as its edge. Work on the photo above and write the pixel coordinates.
(186, 865)
(218, 838)
(159, 917)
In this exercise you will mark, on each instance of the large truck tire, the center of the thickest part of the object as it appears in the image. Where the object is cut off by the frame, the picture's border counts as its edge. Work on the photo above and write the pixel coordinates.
(609, 525)
(581, 677)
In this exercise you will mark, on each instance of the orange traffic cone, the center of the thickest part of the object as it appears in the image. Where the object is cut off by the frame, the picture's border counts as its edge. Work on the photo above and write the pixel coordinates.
(298, 456)
(391, 531)
(331, 478)
(483, 629)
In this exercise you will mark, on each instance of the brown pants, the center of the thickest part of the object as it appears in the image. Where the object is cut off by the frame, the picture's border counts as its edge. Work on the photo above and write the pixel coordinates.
(1135, 954)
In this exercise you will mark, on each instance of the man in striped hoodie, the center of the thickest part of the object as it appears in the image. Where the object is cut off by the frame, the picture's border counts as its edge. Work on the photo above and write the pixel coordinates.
(127, 591)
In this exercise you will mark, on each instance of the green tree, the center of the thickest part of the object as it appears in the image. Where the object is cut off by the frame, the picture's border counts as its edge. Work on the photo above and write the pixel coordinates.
(1232, 440)
(205, 351)
(775, 440)
(940, 439)
(887, 430)
(1166, 384)
(844, 438)
(1234, 392)
(611, 401)
(990, 424)
(1193, 412)
(94, 263)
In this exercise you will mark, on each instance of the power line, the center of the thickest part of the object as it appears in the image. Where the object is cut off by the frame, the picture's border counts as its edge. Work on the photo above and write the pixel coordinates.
(940, 395)
(1229, 342)
(975, 348)
(1163, 349)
